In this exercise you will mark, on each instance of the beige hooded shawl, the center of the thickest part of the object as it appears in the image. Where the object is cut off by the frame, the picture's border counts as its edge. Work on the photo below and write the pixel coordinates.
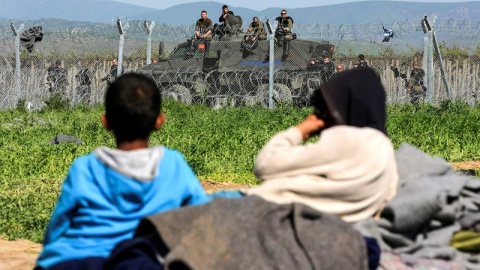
(350, 171)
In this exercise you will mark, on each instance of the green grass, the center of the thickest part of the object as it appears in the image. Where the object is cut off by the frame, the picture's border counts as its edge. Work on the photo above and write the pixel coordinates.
(219, 144)
(450, 130)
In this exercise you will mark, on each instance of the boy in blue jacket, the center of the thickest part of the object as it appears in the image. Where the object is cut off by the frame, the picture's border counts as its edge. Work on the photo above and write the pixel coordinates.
(107, 192)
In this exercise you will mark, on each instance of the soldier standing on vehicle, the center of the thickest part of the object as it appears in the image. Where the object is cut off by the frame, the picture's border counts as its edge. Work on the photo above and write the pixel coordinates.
(283, 33)
(415, 86)
(57, 78)
(256, 30)
(203, 27)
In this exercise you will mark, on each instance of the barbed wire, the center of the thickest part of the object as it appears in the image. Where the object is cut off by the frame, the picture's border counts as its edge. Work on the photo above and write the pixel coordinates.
(94, 45)
(360, 31)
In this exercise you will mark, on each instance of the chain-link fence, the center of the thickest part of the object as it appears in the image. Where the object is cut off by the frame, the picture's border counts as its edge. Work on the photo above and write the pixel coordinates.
(226, 71)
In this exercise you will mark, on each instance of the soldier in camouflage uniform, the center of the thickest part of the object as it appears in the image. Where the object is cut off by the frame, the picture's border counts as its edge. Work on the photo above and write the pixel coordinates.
(283, 33)
(256, 30)
(361, 61)
(327, 68)
(112, 74)
(84, 81)
(415, 86)
(57, 78)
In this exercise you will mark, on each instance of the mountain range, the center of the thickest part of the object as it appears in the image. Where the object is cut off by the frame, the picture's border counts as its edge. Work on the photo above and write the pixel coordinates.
(103, 11)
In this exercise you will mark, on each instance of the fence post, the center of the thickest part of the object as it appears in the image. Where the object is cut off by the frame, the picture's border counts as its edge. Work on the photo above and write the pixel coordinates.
(18, 75)
(271, 64)
(120, 48)
(428, 58)
(149, 28)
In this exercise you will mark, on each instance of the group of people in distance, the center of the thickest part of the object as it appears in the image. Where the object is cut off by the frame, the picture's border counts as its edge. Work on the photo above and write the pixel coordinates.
(57, 78)
(348, 171)
(327, 69)
(415, 84)
(204, 27)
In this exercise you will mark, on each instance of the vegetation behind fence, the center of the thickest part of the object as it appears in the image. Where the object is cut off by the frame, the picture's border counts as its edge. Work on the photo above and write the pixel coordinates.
(94, 47)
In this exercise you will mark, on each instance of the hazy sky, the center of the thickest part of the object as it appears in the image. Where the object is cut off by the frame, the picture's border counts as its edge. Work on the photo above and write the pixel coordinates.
(256, 4)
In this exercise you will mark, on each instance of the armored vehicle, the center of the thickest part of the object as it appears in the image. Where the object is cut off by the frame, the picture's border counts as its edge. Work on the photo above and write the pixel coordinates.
(224, 71)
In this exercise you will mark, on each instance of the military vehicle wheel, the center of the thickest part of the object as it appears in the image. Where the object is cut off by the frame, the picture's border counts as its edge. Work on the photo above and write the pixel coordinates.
(281, 95)
(179, 93)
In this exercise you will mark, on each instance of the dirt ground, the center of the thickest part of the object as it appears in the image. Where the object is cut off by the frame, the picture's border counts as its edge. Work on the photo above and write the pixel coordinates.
(21, 254)
(18, 254)
(468, 165)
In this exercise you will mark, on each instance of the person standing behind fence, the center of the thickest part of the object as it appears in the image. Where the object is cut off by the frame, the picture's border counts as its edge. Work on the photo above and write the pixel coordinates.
(340, 68)
(112, 74)
(203, 26)
(415, 87)
(57, 78)
(108, 191)
(361, 61)
(84, 80)
(327, 68)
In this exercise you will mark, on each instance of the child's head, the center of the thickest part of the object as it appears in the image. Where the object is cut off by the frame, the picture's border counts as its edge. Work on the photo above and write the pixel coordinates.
(132, 108)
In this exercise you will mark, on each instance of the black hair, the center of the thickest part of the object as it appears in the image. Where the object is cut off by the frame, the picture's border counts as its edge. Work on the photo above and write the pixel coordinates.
(283, 10)
(203, 11)
(361, 57)
(132, 105)
(224, 7)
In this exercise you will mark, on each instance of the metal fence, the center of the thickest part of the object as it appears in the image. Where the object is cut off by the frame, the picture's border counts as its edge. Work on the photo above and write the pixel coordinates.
(225, 73)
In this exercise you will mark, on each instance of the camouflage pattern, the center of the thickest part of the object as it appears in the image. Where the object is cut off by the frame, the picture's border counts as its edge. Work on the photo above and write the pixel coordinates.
(257, 30)
(57, 79)
(284, 28)
(415, 85)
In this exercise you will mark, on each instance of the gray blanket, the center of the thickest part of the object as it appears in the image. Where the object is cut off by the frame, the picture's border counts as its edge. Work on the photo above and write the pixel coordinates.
(433, 202)
(251, 233)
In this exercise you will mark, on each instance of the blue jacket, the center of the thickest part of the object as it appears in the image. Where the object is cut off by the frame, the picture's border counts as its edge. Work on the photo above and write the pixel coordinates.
(102, 202)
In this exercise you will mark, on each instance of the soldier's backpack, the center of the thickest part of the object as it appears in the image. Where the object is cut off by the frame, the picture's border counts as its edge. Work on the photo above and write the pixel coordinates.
(233, 24)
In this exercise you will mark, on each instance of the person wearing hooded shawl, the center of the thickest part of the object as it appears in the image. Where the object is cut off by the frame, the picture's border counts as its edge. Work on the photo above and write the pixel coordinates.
(350, 170)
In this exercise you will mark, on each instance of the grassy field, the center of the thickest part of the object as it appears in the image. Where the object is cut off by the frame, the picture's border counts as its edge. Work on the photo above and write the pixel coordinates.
(219, 144)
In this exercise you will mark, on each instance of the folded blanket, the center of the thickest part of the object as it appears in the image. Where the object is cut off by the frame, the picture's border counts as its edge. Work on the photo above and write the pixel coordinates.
(251, 233)
(432, 204)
